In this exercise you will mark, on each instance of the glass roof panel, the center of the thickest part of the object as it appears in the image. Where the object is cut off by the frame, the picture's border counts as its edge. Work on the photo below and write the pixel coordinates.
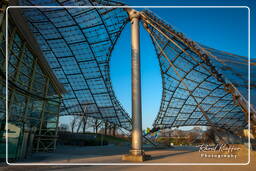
(193, 90)
(77, 42)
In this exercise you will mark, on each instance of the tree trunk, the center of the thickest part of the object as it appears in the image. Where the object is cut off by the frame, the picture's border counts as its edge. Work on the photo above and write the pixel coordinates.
(106, 127)
(78, 128)
(96, 126)
(84, 124)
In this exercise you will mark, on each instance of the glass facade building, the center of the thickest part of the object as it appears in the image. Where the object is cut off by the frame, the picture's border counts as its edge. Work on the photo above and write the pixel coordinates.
(33, 96)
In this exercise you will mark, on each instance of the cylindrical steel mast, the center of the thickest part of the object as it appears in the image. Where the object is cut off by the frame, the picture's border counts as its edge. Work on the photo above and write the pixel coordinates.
(136, 85)
(136, 152)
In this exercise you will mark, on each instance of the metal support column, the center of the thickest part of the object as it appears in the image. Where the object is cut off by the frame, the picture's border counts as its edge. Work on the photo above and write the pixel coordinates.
(136, 152)
(136, 85)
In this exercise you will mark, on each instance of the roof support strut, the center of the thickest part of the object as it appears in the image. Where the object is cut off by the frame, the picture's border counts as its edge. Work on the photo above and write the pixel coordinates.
(136, 153)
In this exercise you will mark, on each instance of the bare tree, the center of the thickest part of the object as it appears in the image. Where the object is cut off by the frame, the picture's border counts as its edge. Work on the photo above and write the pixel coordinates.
(193, 136)
(83, 121)
(209, 136)
(73, 123)
(79, 123)
(96, 126)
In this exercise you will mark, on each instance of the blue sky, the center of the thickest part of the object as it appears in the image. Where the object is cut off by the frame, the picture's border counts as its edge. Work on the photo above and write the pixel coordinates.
(223, 29)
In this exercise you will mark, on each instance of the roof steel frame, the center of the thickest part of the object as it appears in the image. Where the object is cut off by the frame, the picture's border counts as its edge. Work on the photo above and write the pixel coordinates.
(214, 102)
(101, 90)
(164, 36)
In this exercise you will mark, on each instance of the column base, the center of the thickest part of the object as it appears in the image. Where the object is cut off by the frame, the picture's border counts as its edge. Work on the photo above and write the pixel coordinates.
(136, 156)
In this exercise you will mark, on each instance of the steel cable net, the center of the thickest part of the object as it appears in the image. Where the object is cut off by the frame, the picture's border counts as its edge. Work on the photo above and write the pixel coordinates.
(77, 43)
(194, 91)
(235, 68)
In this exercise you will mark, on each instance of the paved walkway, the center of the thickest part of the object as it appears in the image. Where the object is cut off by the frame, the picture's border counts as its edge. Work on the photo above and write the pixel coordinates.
(112, 154)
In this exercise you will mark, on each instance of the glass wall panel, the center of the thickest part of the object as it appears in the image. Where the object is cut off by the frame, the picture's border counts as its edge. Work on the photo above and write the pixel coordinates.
(33, 101)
